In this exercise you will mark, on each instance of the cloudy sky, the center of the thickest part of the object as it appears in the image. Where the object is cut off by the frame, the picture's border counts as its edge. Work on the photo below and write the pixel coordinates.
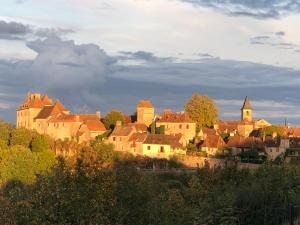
(108, 54)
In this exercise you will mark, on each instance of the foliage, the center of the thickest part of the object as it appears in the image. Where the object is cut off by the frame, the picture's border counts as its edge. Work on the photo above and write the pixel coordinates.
(153, 128)
(19, 163)
(5, 131)
(102, 137)
(111, 118)
(162, 129)
(270, 130)
(40, 143)
(21, 136)
(202, 110)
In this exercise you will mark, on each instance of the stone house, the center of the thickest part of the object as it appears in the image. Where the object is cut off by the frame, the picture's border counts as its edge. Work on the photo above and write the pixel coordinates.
(162, 145)
(177, 123)
(39, 113)
(212, 144)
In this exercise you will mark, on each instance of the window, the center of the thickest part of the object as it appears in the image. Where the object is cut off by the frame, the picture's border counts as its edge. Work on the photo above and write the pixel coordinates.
(148, 147)
(114, 138)
(270, 150)
(180, 126)
(162, 149)
(277, 150)
(187, 126)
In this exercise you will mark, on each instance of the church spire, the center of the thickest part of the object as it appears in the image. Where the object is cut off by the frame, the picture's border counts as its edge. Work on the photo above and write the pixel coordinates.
(246, 104)
(246, 110)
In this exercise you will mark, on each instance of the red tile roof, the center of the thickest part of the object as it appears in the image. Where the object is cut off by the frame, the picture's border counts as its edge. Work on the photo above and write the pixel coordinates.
(245, 142)
(138, 137)
(213, 141)
(162, 139)
(175, 118)
(145, 104)
(48, 111)
(95, 125)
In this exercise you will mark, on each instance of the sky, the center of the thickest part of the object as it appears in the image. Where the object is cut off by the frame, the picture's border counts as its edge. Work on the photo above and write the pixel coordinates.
(99, 55)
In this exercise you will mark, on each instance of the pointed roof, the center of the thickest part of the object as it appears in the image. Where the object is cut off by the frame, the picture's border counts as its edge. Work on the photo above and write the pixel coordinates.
(246, 104)
(60, 106)
(46, 100)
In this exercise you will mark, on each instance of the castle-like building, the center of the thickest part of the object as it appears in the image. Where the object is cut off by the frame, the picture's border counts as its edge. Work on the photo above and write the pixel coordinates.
(42, 114)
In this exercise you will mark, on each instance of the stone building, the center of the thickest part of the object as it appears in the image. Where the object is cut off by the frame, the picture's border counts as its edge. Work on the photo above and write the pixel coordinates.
(177, 123)
(145, 112)
(38, 112)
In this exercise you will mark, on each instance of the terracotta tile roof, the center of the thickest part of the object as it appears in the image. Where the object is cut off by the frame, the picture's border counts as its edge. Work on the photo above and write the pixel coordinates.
(145, 104)
(95, 125)
(245, 142)
(84, 117)
(162, 139)
(60, 105)
(138, 137)
(140, 127)
(63, 118)
(48, 111)
(122, 130)
(46, 100)
(213, 141)
(230, 126)
(209, 131)
(295, 132)
(246, 104)
(175, 118)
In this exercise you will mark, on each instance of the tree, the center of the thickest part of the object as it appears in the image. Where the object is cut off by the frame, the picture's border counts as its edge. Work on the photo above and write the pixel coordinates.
(270, 130)
(5, 130)
(111, 118)
(21, 136)
(162, 129)
(202, 110)
(40, 143)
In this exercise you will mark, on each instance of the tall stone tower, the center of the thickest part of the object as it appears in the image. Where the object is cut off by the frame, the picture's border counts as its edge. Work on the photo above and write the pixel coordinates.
(30, 108)
(145, 112)
(246, 110)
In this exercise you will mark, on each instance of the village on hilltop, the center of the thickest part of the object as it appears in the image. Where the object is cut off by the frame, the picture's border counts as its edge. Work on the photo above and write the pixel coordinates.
(159, 136)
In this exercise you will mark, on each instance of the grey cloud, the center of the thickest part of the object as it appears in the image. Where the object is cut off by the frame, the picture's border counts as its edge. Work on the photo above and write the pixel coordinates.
(20, 31)
(280, 33)
(13, 30)
(259, 9)
(274, 40)
(145, 56)
(86, 78)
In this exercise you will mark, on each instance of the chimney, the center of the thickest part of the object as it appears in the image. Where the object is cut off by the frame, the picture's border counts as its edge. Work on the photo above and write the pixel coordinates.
(98, 114)
(118, 123)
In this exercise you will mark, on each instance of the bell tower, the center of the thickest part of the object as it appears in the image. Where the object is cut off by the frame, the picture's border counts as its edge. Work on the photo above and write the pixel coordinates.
(246, 110)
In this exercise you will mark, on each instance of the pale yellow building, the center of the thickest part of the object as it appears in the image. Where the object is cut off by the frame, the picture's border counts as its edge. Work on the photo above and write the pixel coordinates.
(177, 123)
(145, 112)
(39, 113)
(162, 146)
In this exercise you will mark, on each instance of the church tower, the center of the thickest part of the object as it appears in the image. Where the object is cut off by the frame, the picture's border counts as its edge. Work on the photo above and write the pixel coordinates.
(246, 110)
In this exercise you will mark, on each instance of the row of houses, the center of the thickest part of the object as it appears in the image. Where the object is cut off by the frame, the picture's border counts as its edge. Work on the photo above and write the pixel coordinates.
(171, 132)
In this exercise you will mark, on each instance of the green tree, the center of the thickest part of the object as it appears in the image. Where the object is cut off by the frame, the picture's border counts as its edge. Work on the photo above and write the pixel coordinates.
(270, 130)
(162, 129)
(111, 118)
(202, 110)
(153, 128)
(21, 136)
(40, 143)
(5, 130)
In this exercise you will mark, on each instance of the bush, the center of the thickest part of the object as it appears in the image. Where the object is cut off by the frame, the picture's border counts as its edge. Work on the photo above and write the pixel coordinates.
(21, 136)
(40, 143)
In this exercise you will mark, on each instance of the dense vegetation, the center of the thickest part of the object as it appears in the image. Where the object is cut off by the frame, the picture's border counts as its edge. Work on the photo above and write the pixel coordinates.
(96, 186)
(202, 110)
